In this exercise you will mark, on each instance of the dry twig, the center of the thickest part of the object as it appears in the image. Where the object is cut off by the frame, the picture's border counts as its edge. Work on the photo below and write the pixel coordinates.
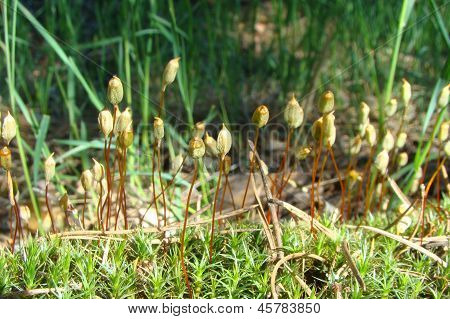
(405, 242)
(273, 276)
(352, 265)
(273, 211)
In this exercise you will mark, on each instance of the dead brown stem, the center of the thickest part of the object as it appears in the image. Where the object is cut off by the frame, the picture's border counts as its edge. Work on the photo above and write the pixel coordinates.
(272, 208)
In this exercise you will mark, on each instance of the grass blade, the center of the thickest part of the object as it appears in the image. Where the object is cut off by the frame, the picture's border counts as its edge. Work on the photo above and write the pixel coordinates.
(38, 148)
(62, 55)
(404, 15)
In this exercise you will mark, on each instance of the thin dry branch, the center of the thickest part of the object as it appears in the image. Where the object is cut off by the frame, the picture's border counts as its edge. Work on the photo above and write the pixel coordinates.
(306, 218)
(352, 265)
(175, 226)
(405, 242)
(273, 212)
(273, 276)
(261, 214)
(399, 192)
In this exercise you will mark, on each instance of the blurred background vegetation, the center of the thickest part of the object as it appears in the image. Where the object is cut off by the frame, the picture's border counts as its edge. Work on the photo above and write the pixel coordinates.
(235, 56)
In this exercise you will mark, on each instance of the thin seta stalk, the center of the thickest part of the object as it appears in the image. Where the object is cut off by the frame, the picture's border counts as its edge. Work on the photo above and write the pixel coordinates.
(183, 232)
(49, 209)
(211, 240)
(260, 118)
(98, 174)
(341, 182)
(168, 185)
(293, 115)
(108, 125)
(154, 184)
(196, 151)
(224, 142)
(425, 196)
(158, 129)
(8, 132)
(86, 180)
(49, 169)
(228, 186)
(324, 133)
(125, 141)
(169, 75)
(255, 141)
(361, 183)
(15, 208)
(316, 159)
(226, 170)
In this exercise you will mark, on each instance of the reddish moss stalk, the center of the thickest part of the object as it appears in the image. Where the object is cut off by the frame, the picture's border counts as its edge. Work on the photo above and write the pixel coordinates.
(350, 166)
(365, 173)
(165, 189)
(13, 244)
(322, 169)
(84, 209)
(227, 183)
(48, 209)
(153, 183)
(317, 153)
(369, 193)
(158, 155)
(10, 220)
(109, 177)
(214, 210)
(99, 209)
(222, 200)
(121, 202)
(252, 162)
(380, 202)
(438, 181)
(425, 196)
(108, 183)
(124, 198)
(285, 157)
(183, 232)
(18, 227)
(341, 182)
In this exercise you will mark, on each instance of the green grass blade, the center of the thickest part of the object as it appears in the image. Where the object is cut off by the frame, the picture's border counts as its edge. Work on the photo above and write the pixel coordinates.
(62, 55)
(441, 23)
(10, 62)
(38, 148)
(403, 19)
(431, 107)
